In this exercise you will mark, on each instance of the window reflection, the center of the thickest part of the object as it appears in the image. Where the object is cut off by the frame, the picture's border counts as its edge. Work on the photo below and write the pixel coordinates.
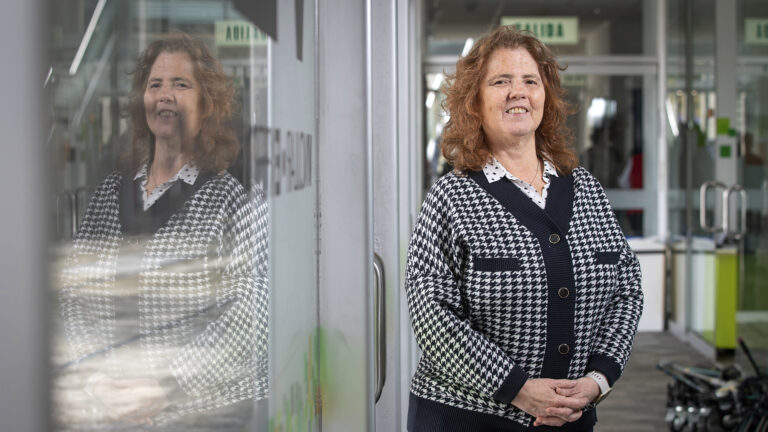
(164, 289)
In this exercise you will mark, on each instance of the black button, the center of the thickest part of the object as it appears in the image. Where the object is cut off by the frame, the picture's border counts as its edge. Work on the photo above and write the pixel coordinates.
(563, 349)
(563, 292)
(554, 239)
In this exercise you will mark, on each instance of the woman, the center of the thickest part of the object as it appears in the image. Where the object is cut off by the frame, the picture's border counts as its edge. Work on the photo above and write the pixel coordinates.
(523, 292)
(164, 297)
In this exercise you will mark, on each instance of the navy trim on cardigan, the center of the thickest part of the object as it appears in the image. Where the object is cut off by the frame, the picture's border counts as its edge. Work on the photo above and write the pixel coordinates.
(511, 385)
(553, 220)
(606, 366)
(134, 221)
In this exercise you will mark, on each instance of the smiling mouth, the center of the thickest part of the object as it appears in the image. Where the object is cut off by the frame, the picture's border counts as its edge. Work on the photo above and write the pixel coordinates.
(167, 113)
(516, 110)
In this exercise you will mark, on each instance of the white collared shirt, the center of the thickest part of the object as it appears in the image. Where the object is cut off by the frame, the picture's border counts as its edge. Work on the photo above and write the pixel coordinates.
(494, 171)
(188, 174)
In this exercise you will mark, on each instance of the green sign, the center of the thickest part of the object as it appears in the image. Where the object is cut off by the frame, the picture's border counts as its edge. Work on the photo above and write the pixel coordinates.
(549, 29)
(568, 80)
(236, 33)
(756, 31)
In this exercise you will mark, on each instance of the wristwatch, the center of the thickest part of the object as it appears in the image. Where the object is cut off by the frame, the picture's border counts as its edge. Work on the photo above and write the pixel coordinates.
(602, 382)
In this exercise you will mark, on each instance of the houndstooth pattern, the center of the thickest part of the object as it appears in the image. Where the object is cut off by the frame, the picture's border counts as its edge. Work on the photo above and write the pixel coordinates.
(210, 255)
(475, 326)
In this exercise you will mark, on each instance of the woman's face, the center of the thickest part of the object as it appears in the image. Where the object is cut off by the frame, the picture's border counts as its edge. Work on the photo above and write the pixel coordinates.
(172, 99)
(511, 98)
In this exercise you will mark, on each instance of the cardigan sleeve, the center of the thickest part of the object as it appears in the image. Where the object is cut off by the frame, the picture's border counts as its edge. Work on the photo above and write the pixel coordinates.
(442, 330)
(231, 352)
(87, 273)
(619, 323)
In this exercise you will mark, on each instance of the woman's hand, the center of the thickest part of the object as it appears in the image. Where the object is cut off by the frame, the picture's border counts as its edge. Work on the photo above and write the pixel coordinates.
(134, 401)
(584, 391)
(542, 398)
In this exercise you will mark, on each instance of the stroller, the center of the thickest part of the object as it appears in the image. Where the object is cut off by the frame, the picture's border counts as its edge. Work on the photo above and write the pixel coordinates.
(713, 400)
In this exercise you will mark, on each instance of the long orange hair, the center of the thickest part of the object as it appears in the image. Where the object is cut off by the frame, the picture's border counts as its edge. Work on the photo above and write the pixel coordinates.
(464, 143)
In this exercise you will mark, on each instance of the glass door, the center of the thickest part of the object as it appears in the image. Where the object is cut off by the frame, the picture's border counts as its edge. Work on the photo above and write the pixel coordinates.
(718, 207)
(752, 313)
(691, 130)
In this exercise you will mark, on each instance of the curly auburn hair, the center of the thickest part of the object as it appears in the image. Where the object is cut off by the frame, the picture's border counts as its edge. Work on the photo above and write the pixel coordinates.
(216, 147)
(464, 143)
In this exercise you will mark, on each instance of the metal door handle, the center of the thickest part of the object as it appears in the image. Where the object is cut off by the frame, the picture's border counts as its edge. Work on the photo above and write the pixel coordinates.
(379, 336)
(737, 235)
(703, 206)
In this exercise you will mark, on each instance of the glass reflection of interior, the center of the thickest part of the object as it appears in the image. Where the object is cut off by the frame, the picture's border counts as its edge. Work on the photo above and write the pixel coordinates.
(94, 46)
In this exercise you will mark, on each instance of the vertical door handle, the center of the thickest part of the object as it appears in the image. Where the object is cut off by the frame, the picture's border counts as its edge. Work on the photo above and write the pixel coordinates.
(737, 235)
(703, 206)
(379, 335)
(765, 198)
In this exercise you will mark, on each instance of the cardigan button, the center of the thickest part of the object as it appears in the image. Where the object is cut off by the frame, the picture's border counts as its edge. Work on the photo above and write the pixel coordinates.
(563, 292)
(563, 349)
(554, 239)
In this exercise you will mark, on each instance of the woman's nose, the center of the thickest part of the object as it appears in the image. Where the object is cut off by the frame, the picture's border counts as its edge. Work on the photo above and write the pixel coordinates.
(165, 94)
(516, 91)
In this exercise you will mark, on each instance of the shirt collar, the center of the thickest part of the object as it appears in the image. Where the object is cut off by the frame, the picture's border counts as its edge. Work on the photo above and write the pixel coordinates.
(495, 171)
(188, 174)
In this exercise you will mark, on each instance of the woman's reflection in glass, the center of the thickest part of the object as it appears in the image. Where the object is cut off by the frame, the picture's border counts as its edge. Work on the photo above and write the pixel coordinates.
(165, 295)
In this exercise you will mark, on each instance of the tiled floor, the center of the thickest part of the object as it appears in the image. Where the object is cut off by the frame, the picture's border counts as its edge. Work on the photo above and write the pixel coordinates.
(637, 402)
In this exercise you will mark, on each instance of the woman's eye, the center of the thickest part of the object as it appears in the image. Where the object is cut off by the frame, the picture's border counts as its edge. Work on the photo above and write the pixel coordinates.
(182, 85)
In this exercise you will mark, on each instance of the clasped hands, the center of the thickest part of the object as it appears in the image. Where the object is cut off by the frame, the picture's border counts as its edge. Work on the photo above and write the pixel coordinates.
(133, 401)
(556, 402)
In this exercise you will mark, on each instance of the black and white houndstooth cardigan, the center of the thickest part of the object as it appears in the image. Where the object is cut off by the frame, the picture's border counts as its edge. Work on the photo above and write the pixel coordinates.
(500, 291)
(202, 295)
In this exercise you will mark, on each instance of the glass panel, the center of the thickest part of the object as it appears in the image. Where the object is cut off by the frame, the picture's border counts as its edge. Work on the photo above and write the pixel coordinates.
(163, 299)
(752, 315)
(690, 128)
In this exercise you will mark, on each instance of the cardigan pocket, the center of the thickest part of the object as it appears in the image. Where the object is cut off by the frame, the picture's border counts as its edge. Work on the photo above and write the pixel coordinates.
(497, 264)
(605, 257)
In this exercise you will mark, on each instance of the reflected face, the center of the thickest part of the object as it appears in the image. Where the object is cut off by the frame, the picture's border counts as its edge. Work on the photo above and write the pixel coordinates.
(172, 99)
(511, 97)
